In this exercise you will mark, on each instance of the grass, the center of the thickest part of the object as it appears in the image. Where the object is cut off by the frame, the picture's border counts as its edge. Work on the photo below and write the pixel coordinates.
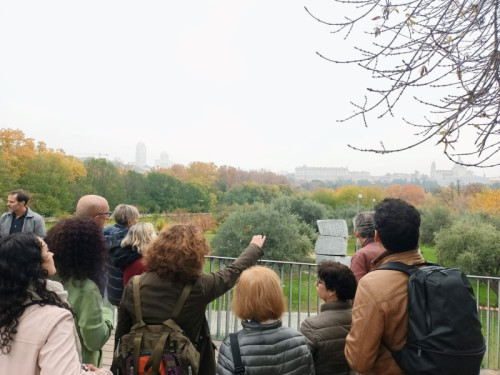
(493, 352)
(428, 253)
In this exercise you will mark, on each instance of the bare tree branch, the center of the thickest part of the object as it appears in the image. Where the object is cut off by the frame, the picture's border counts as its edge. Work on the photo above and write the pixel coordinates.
(419, 45)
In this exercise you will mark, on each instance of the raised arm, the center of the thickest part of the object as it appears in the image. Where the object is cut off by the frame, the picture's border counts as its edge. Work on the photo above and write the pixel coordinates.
(217, 283)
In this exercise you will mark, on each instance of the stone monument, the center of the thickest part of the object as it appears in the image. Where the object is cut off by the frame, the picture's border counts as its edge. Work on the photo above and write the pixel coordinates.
(332, 241)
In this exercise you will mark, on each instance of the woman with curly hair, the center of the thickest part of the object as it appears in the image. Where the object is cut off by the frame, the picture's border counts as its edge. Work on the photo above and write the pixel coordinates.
(79, 255)
(37, 331)
(174, 259)
(325, 333)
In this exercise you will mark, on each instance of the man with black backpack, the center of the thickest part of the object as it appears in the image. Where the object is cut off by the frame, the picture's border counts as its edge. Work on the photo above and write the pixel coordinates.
(409, 316)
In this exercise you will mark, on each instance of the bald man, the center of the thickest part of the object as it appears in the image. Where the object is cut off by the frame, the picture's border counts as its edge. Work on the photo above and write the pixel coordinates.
(94, 207)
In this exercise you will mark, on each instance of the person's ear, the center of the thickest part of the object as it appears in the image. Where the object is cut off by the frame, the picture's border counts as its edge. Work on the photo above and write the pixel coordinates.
(377, 237)
(356, 233)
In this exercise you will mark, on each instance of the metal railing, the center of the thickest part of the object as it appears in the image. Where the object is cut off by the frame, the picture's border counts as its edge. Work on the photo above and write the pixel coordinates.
(297, 280)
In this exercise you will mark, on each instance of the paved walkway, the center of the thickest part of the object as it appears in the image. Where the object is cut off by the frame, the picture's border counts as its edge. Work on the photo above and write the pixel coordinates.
(107, 351)
(107, 355)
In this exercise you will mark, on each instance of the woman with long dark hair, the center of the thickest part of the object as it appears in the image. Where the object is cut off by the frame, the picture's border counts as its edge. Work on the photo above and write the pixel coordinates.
(79, 255)
(37, 332)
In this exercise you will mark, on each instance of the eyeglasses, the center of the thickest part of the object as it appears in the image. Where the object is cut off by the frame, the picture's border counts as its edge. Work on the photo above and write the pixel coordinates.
(108, 214)
(318, 282)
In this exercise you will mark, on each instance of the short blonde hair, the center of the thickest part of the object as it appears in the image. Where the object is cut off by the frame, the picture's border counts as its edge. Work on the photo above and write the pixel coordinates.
(258, 295)
(139, 236)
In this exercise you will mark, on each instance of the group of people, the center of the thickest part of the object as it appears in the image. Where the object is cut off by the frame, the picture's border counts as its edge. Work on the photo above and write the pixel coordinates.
(53, 320)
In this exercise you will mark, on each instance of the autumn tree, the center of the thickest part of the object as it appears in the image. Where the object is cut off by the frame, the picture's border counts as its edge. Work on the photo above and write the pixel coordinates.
(415, 48)
(230, 177)
(488, 201)
(16, 151)
(412, 194)
(50, 176)
(325, 196)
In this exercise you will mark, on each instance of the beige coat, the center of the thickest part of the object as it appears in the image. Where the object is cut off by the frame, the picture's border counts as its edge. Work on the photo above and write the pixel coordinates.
(45, 344)
(379, 315)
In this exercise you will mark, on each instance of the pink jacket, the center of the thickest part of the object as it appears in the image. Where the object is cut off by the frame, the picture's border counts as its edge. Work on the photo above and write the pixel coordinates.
(46, 343)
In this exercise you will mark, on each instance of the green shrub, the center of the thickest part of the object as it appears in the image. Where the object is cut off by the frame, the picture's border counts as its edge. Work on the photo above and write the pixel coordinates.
(288, 238)
(308, 210)
(471, 245)
(433, 219)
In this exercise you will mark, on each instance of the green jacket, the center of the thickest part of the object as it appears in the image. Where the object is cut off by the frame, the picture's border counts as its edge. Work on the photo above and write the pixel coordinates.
(93, 321)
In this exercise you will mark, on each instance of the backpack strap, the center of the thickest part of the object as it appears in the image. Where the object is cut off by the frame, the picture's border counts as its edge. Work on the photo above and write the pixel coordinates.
(137, 300)
(156, 356)
(180, 302)
(239, 369)
(402, 267)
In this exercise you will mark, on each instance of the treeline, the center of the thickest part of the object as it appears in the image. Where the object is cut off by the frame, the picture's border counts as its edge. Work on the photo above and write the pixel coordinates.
(56, 181)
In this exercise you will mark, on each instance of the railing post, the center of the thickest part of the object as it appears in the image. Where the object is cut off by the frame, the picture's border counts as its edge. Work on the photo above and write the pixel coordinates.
(290, 288)
(300, 299)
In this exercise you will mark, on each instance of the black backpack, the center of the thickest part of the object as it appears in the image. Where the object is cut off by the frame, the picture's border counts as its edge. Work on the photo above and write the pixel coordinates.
(444, 332)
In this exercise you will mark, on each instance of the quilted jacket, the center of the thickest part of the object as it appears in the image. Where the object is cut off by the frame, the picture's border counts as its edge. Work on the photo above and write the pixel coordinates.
(325, 334)
(268, 349)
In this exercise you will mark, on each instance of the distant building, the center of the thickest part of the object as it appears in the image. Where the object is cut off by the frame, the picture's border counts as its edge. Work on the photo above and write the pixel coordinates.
(339, 174)
(306, 173)
(164, 161)
(140, 157)
(445, 177)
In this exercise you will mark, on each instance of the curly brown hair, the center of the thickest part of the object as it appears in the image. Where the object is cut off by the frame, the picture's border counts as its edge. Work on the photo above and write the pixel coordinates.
(79, 249)
(178, 253)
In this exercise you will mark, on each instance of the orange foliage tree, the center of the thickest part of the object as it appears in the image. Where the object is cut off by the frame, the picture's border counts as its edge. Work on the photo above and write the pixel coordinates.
(412, 194)
(488, 200)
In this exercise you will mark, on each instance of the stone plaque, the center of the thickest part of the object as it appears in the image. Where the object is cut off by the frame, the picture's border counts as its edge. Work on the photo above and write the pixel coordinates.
(330, 245)
(334, 227)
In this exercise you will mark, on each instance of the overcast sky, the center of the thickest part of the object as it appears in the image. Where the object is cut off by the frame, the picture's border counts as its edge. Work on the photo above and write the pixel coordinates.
(231, 82)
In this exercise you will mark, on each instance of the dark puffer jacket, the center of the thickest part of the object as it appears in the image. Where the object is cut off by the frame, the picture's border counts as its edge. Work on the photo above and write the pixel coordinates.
(325, 334)
(267, 349)
(114, 235)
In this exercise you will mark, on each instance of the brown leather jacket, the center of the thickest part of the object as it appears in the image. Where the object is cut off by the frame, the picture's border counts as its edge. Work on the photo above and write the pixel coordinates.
(379, 317)
(158, 297)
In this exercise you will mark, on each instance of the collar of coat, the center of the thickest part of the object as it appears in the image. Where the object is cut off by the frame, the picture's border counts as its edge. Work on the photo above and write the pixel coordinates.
(254, 325)
(407, 257)
(336, 305)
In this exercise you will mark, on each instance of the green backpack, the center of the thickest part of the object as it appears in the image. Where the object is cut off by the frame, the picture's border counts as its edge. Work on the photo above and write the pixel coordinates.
(156, 349)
